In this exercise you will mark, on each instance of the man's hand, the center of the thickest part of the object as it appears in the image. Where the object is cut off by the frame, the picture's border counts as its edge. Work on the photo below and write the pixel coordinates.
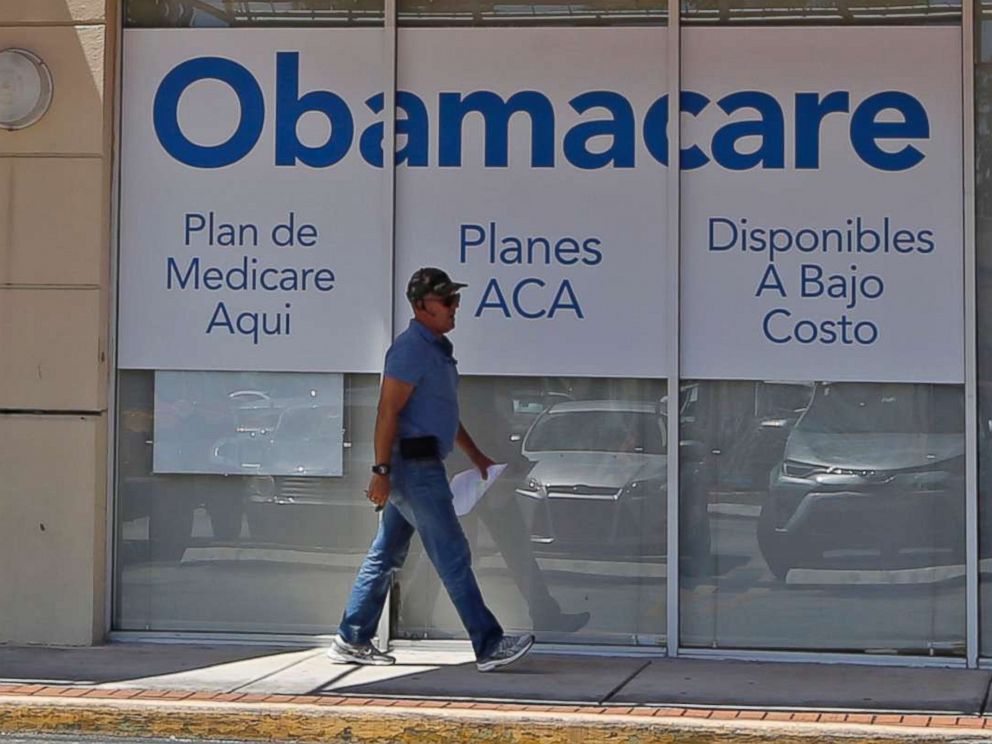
(378, 492)
(478, 458)
(483, 463)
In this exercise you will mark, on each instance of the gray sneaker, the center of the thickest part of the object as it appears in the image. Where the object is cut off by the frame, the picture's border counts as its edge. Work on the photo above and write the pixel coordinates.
(507, 651)
(342, 652)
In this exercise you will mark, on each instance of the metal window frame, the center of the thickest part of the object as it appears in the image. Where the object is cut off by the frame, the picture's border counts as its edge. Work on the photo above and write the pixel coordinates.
(968, 29)
(384, 631)
(113, 309)
(674, 325)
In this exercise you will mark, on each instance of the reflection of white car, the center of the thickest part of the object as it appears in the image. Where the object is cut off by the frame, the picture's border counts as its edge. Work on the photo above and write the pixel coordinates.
(254, 411)
(303, 441)
(593, 449)
(598, 478)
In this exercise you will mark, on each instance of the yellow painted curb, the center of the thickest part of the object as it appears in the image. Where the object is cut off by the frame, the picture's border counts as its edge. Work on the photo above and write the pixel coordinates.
(384, 725)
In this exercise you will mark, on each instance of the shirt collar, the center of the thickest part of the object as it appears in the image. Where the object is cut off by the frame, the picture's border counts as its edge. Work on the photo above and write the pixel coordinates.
(430, 336)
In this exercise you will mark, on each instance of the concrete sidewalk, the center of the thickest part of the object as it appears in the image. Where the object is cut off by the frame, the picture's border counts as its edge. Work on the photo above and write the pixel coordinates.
(225, 691)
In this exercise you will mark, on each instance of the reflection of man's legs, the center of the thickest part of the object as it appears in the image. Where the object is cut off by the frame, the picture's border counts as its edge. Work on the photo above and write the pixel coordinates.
(427, 502)
(368, 594)
(501, 514)
(504, 520)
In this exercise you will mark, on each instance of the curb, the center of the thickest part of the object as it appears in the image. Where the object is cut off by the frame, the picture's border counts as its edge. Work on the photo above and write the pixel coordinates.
(409, 722)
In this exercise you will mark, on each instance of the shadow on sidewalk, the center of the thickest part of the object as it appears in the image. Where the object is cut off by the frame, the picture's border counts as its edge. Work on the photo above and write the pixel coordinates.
(119, 662)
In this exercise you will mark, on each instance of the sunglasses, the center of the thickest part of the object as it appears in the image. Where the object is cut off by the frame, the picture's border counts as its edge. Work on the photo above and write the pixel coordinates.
(451, 300)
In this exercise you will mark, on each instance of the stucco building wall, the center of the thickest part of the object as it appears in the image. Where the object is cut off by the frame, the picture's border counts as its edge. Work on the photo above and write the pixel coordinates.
(55, 238)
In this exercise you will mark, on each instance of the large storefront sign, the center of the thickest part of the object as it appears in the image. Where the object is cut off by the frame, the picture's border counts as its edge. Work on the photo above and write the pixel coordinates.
(831, 247)
(240, 248)
(547, 196)
(821, 200)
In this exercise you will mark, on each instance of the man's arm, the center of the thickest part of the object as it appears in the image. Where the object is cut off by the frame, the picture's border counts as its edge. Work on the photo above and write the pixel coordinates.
(392, 398)
(468, 446)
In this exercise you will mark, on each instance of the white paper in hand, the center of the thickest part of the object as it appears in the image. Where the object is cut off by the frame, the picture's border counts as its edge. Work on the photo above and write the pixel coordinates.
(468, 487)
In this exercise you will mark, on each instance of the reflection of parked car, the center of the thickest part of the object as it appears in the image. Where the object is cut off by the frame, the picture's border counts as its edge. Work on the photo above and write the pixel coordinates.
(744, 425)
(527, 407)
(305, 511)
(320, 512)
(303, 441)
(598, 479)
(254, 411)
(873, 474)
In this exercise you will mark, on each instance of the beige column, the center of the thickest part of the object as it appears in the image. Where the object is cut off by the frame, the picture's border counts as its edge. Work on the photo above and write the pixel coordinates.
(55, 249)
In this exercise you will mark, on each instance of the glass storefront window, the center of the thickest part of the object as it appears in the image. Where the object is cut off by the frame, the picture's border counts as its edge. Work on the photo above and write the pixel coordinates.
(553, 13)
(820, 12)
(831, 466)
(251, 13)
(240, 534)
(240, 504)
(836, 517)
(821, 516)
(570, 540)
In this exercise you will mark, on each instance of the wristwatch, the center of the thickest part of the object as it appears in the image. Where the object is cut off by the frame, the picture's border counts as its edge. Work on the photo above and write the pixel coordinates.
(381, 469)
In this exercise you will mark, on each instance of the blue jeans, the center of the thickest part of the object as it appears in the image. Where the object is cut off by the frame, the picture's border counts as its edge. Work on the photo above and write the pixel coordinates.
(420, 499)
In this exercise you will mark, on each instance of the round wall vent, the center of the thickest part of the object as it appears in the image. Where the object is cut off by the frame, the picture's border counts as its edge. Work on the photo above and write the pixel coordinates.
(25, 88)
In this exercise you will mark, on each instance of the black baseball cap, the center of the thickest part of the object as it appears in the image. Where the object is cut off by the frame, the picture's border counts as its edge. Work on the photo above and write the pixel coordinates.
(430, 281)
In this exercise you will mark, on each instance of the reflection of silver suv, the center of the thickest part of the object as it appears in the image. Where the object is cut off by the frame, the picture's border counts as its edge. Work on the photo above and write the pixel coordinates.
(872, 475)
(598, 478)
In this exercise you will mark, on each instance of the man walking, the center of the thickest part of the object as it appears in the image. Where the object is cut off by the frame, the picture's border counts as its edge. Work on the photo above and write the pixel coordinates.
(416, 428)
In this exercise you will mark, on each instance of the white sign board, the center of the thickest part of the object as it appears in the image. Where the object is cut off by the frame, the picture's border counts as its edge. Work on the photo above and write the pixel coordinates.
(249, 423)
(540, 193)
(821, 200)
(836, 251)
(252, 227)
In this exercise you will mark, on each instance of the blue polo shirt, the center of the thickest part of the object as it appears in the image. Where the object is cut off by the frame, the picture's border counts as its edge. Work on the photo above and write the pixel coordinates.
(424, 360)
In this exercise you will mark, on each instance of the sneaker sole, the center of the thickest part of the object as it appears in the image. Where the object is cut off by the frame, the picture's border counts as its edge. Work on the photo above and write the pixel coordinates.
(488, 666)
(341, 659)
